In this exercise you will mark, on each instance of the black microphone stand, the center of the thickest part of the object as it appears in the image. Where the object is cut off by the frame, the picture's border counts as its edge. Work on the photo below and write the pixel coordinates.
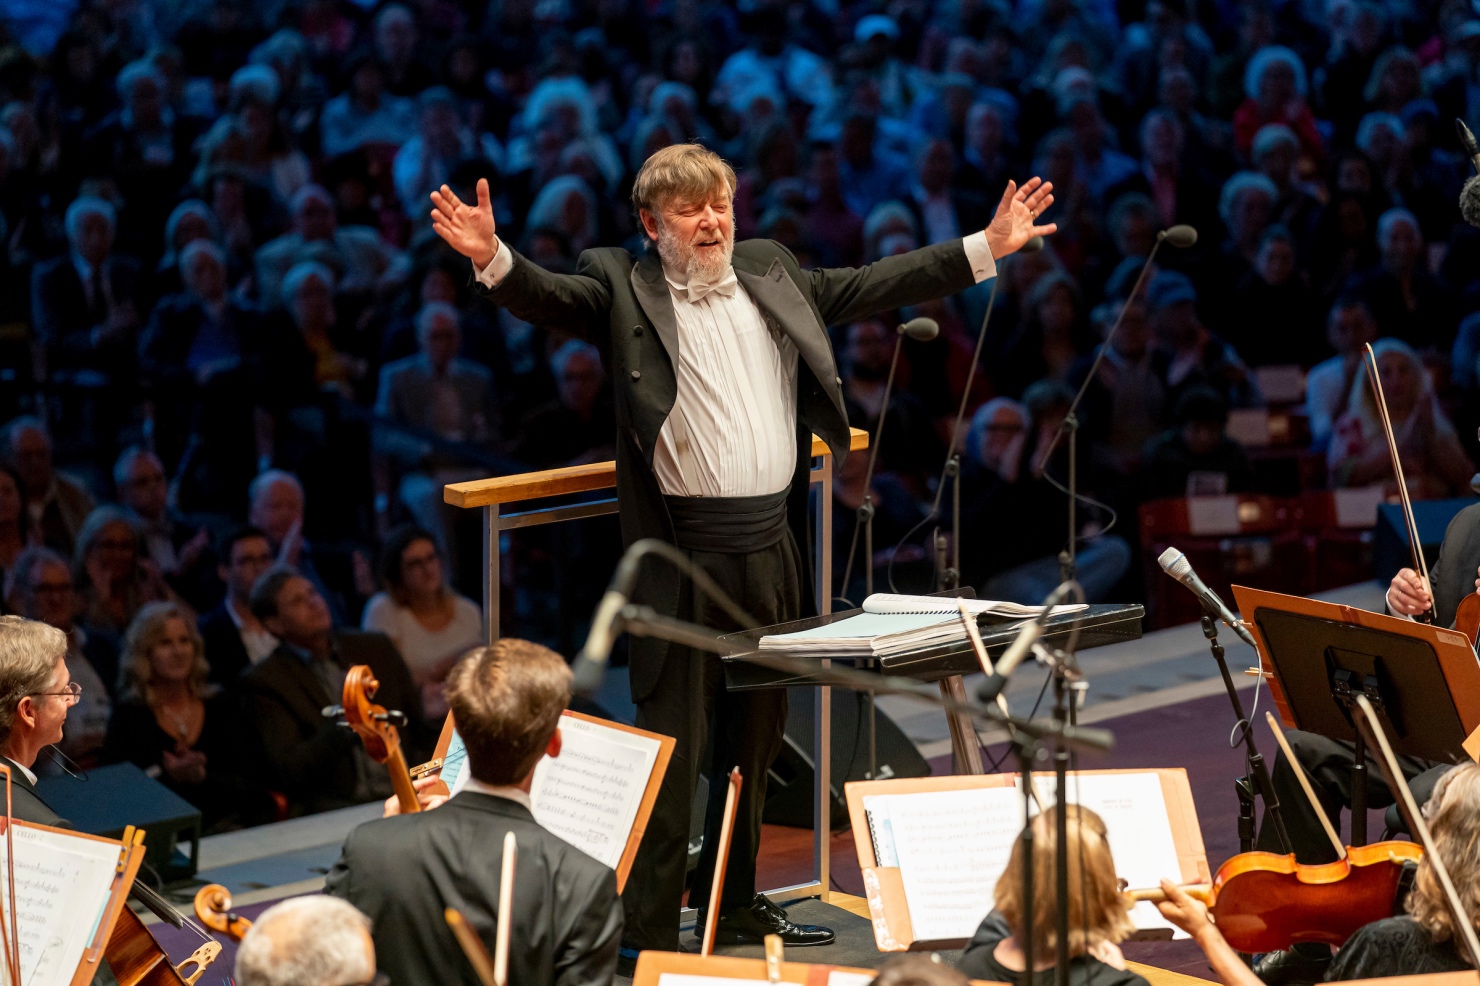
(1180, 236)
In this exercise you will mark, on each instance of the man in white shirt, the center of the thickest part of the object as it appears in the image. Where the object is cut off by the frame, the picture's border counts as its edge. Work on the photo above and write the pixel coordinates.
(35, 693)
(235, 638)
(722, 372)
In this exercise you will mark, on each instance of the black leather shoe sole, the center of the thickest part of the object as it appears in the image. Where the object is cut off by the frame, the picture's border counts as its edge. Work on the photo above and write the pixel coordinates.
(797, 936)
(1290, 968)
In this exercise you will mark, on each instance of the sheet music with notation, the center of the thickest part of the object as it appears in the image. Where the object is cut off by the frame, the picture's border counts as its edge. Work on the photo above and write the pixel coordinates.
(591, 793)
(952, 848)
(62, 885)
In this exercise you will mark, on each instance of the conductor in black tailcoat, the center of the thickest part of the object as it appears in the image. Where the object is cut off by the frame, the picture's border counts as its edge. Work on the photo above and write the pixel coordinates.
(404, 871)
(721, 369)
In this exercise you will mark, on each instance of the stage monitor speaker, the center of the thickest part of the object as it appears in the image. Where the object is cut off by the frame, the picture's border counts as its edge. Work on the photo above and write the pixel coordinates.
(1390, 550)
(791, 780)
(118, 795)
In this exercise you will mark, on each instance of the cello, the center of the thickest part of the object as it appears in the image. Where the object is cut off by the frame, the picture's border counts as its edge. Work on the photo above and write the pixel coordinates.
(1264, 902)
(213, 909)
(375, 726)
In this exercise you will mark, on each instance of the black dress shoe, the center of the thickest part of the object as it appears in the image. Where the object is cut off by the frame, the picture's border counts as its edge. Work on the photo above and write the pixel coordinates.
(751, 924)
(1291, 967)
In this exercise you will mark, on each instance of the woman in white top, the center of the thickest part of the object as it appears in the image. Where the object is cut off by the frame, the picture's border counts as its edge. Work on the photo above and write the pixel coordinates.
(431, 625)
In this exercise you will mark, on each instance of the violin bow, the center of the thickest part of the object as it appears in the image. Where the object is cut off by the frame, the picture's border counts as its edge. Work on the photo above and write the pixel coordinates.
(472, 945)
(1465, 928)
(505, 911)
(1419, 565)
(722, 856)
(1315, 803)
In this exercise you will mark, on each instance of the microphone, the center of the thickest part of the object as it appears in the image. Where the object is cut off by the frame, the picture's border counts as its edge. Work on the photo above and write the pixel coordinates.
(1180, 235)
(921, 329)
(1021, 647)
(1467, 141)
(1175, 564)
(1034, 244)
(1469, 201)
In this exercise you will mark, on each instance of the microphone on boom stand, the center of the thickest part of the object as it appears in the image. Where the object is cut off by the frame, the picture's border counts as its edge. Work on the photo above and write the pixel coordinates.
(948, 577)
(1175, 564)
(1181, 236)
(1469, 195)
(921, 330)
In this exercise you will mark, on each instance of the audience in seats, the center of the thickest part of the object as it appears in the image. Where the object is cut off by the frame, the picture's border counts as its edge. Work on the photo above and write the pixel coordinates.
(1350, 328)
(57, 504)
(114, 577)
(1196, 458)
(234, 637)
(317, 763)
(431, 626)
(41, 589)
(181, 730)
(1435, 464)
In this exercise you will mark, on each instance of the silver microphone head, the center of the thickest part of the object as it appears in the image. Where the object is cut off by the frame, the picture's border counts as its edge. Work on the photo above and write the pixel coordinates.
(1034, 244)
(1180, 235)
(1175, 564)
(921, 329)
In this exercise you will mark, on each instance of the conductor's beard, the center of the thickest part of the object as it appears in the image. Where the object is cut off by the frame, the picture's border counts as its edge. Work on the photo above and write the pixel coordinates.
(703, 260)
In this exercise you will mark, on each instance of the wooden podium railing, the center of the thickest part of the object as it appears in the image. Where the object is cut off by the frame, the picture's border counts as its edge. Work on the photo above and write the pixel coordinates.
(494, 495)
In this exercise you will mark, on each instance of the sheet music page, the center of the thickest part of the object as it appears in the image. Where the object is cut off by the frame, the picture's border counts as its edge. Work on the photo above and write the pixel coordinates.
(1140, 832)
(952, 848)
(836, 978)
(589, 795)
(62, 885)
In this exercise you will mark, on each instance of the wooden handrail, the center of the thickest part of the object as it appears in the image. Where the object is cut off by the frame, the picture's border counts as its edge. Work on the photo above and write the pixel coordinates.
(570, 479)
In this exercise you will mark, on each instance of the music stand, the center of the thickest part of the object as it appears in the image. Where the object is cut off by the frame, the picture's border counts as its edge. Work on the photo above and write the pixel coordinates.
(1424, 680)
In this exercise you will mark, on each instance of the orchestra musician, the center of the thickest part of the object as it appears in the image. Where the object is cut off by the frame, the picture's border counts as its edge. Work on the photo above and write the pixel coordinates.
(1099, 917)
(722, 368)
(35, 693)
(1328, 762)
(404, 871)
(1421, 940)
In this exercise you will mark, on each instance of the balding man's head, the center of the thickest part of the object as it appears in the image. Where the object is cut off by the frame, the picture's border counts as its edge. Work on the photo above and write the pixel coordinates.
(276, 503)
(307, 941)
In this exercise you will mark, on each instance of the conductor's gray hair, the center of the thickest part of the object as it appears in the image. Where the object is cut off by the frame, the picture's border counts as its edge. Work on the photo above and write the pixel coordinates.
(306, 941)
(29, 652)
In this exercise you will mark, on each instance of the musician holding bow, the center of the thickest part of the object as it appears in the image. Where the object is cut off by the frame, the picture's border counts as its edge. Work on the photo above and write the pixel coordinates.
(722, 370)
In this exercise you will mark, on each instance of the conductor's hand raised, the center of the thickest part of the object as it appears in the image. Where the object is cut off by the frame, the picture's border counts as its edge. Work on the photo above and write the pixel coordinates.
(468, 229)
(1014, 223)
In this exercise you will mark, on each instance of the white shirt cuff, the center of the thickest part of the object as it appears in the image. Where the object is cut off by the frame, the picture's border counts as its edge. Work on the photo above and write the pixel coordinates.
(979, 255)
(1387, 597)
(497, 268)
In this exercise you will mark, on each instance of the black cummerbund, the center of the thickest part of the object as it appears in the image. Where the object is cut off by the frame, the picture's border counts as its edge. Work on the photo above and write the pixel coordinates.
(728, 524)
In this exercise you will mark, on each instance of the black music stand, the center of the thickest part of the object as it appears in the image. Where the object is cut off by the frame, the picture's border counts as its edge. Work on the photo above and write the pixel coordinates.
(1322, 663)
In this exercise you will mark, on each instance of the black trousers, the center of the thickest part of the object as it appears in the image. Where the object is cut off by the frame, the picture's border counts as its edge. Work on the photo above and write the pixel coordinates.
(715, 730)
(1328, 766)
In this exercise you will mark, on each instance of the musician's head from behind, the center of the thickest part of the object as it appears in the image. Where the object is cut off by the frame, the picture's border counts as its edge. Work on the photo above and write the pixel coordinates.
(506, 701)
(1098, 914)
(314, 940)
(35, 688)
(684, 195)
(1453, 815)
(916, 969)
(292, 608)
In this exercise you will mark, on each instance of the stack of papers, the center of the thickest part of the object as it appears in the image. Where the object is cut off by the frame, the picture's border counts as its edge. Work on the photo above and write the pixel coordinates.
(894, 624)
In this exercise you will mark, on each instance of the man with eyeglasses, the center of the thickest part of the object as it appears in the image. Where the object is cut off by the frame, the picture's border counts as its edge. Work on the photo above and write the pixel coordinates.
(35, 693)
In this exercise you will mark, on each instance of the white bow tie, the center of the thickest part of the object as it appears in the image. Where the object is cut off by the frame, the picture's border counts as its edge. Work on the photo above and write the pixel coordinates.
(697, 291)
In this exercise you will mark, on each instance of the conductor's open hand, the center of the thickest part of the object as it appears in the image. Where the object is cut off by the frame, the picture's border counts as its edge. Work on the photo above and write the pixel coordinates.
(1408, 596)
(468, 229)
(1014, 222)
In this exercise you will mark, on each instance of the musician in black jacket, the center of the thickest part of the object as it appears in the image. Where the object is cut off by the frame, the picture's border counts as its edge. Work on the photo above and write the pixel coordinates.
(1328, 762)
(35, 693)
(404, 871)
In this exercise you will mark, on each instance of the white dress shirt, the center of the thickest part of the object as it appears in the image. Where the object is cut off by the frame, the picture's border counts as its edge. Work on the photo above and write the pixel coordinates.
(732, 431)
